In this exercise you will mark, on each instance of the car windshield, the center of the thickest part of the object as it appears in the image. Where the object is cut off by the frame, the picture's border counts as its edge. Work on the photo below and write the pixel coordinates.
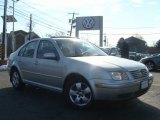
(79, 48)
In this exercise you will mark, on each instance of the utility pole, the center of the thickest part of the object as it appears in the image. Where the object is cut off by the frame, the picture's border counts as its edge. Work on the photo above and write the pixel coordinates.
(4, 40)
(30, 27)
(13, 37)
(72, 21)
(104, 40)
(107, 41)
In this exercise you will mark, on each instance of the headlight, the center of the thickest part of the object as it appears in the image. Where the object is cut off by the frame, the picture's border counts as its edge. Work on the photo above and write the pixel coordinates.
(147, 69)
(119, 76)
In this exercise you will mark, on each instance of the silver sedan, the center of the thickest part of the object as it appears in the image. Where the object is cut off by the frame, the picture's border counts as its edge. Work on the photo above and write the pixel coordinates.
(78, 69)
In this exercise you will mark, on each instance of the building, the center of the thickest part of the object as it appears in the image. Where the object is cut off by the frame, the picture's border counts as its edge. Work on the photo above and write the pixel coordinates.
(20, 38)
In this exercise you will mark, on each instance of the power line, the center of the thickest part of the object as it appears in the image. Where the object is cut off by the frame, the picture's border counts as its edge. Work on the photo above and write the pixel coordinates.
(23, 15)
(57, 28)
(134, 33)
(72, 13)
(130, 27)
(40, 32)
(122, 33)
(41, 12)
(40, 20)
(26, 18)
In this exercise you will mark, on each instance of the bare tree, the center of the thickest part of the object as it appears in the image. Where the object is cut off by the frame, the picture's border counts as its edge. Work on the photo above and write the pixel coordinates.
(138, 36)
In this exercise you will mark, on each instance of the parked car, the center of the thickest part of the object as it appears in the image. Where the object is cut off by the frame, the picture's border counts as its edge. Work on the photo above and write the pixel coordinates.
(132, 55)
(152, 62)
(113, 51)
(79, 69)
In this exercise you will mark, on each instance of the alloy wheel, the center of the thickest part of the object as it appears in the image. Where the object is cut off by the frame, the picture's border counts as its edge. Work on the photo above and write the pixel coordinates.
(150, 65)
(15, 79)
(80, 94)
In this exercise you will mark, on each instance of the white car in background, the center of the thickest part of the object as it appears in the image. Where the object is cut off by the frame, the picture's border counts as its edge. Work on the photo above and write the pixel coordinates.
(112, 51)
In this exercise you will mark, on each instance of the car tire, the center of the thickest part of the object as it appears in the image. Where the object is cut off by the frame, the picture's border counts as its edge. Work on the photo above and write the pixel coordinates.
(150, 65)
(78, 93)
(16, 80)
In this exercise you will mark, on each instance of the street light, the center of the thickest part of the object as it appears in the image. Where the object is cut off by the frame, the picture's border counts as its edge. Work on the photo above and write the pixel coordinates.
(13, 38)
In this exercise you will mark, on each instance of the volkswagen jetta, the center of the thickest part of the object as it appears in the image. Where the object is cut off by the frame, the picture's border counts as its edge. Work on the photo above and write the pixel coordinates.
(78, 69)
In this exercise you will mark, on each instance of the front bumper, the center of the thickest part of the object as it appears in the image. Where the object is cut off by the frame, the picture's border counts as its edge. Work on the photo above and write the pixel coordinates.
(102, 90)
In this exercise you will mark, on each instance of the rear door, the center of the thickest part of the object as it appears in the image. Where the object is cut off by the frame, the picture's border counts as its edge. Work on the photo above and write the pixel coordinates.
(26, 58)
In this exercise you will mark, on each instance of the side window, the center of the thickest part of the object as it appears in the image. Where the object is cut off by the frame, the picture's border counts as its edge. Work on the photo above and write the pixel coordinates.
(45, 46)
(21, 52)
(28, 50)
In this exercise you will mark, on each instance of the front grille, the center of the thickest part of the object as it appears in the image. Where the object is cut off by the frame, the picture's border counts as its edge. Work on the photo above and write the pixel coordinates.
(139, 73)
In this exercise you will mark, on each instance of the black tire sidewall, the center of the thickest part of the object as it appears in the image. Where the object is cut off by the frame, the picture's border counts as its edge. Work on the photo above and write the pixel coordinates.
(153, 65)
(21, 84)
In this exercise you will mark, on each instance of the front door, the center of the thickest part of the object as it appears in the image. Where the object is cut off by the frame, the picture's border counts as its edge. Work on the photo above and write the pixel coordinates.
(49, 71)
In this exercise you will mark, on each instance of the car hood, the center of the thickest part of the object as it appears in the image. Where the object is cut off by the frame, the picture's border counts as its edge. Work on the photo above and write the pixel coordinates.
(150, 57)
(110, 63)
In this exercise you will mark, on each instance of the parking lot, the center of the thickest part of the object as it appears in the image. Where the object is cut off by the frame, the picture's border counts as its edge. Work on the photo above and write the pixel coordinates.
(38, 104)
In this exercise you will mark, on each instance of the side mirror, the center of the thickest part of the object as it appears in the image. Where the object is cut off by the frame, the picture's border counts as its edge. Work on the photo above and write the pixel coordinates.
(50, 56)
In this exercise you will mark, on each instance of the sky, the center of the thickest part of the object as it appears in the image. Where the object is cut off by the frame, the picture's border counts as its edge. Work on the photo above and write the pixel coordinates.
(121, 18)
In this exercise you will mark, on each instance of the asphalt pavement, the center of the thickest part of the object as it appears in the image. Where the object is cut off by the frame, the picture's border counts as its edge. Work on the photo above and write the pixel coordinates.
(39, 104)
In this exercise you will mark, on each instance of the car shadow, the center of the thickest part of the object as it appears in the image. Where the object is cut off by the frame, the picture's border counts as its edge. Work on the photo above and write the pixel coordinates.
(156, 71)
(39, 104)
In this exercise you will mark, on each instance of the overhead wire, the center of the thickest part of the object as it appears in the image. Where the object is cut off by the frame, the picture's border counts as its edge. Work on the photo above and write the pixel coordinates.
(121, 33)
(59, 20)
(42, 22)
(130, 27)
(38, 18)
(48, 25)
(39, 22)
(26, 18)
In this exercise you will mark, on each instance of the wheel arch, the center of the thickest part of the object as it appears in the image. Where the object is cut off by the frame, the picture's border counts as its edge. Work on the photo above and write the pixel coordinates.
(72, 75)
(155, 66)
(12, 69)
(149, 61)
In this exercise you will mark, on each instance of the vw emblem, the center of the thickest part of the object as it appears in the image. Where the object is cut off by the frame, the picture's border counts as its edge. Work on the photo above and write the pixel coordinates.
(88, 23)
(140, 74)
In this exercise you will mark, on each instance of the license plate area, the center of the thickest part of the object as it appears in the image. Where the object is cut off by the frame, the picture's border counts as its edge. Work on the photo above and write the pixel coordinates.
(144, 84)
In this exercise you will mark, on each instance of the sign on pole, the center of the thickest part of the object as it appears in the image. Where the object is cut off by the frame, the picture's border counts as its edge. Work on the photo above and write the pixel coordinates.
(10, 18)
(90, 23)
